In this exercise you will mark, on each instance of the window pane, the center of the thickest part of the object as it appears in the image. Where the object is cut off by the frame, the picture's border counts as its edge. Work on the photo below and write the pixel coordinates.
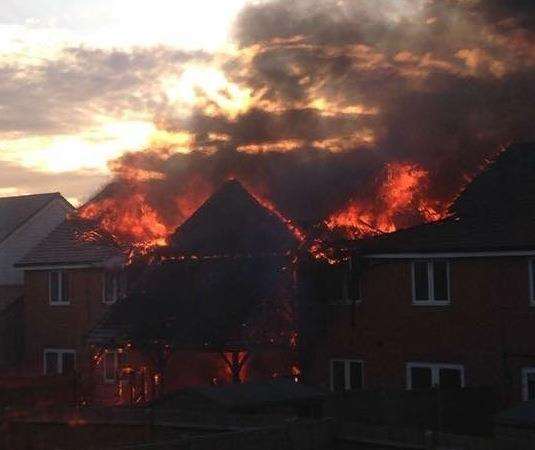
(54, 286)
(440, 280)
(421, 378)
(355, 375)
(51, 363)
(450, 378)
(65, 285)
(338, 375)
(109, 366)
(421, 281)
(68, 363)
(111, 287)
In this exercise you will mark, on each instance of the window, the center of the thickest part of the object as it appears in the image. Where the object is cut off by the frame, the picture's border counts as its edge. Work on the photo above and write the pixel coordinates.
(531, 268)
(426, 376)
(528, 384)
(58, 287)
(346, 375)
(112, 362)
(111, 287)
(343, 286)
(59, 361)
(430, 282)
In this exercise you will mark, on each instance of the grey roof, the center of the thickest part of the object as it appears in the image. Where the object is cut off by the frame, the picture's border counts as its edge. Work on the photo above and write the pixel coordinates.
(15, 211)
(74, 241)
(233, 222)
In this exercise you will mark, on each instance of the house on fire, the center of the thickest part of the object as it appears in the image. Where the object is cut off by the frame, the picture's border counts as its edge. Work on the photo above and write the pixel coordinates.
(448, 304)
(24, 221)
(215, 306)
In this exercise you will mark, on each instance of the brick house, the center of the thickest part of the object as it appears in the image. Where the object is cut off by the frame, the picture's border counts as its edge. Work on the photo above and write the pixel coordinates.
(450, 303)
(24, 221)
(70, 279)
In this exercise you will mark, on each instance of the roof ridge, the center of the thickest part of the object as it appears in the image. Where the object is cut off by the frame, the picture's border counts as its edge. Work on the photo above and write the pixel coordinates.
(41, 194)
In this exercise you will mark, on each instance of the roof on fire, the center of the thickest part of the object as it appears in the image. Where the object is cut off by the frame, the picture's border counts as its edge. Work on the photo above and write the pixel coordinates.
(15, 211)
(232, 221)
(74, 241)
(494, 213)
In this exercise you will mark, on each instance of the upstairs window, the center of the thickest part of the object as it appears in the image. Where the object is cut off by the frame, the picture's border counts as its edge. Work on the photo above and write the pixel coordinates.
(111, 288)
(58, 362)
(58, 287)
(426, 376)
(431, 282)
(346, 375)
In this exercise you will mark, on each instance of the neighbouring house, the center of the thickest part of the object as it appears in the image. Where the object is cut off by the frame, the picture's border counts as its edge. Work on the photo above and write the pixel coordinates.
(70, 279)
(448, 304)
(216, 306)
(24, 221)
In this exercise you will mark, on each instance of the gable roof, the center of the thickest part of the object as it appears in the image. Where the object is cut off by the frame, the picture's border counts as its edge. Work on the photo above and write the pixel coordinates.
(15, 211)
(74, 241)
(506, 187)
(233, 222)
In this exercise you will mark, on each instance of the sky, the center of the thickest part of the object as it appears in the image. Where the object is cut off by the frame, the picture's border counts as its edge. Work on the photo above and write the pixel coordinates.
(310, 101)
(81, 80)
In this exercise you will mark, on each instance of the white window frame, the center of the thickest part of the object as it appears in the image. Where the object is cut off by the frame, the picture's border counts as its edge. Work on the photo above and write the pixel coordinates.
(347, 372)
(531, 269)
(104, 285)
(61, 274)
(525, 372)
(435, 372)
(431, 284)
(116, 366)
(59, 352)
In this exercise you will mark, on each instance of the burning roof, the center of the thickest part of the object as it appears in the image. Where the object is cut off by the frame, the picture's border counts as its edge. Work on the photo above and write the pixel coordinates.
(494, 213)
(233, 222)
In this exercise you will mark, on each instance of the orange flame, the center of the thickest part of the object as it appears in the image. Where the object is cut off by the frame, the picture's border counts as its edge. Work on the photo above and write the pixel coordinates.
(130, 219)
(402, 191)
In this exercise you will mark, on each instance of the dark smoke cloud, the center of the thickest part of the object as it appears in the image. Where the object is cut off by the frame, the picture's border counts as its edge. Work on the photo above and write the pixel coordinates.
(440, 84)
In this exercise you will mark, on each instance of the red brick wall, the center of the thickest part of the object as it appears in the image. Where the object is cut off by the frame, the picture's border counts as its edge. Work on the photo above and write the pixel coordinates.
(60, 326)
(489, 305)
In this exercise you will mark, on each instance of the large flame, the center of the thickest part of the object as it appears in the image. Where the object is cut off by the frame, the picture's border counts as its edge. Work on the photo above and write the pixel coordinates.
(402, 192)
(130, 219)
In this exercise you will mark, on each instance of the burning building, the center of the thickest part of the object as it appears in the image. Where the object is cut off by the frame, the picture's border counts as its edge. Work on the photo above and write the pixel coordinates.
(217, 305)
(445, 304)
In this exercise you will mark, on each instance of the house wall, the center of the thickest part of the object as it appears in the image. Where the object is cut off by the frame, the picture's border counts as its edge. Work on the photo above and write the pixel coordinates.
(489, 314)
(60, 326)
(28, 236)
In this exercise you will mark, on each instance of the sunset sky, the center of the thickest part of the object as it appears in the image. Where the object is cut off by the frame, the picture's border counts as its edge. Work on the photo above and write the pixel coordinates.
(305, 98)
(80, 81)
